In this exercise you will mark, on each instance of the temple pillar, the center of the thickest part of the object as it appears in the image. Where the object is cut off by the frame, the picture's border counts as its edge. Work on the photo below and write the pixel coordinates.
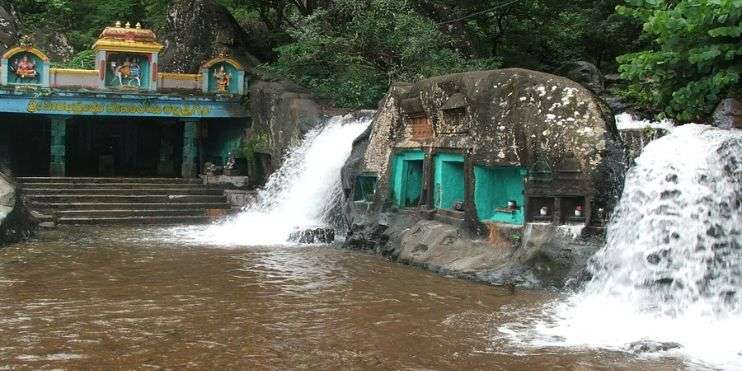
(166, 161)
(189, 168)
(58, 147)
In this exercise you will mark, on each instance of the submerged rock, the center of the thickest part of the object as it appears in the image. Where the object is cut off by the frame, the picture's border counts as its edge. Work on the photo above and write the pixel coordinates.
(651, 346)
(316, 235)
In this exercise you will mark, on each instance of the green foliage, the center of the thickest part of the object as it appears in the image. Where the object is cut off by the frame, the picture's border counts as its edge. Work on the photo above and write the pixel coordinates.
(82, 21)
(82, 60)
(695, 60)
(352, 51)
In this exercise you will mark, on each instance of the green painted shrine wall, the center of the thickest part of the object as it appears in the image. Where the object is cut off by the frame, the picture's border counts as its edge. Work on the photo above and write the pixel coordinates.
(494, 187)
(224, 137)
(449, 180)
(407, 177)
(233, 83)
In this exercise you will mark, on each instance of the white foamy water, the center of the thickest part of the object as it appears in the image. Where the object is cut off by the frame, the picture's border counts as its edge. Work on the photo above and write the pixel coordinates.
(301, 194)
(626, 121)
(671, 270)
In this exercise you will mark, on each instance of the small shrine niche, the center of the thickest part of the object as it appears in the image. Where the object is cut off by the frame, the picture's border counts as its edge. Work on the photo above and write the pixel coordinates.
(455, 118)
(25, 65)
(126, 58)
(223, 75)
(416, 120)
(128, 71)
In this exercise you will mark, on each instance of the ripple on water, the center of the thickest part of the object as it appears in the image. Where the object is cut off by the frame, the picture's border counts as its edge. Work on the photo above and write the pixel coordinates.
(124, 298)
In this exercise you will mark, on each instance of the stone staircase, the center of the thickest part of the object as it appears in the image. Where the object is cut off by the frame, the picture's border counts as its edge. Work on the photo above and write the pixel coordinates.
(123, 200)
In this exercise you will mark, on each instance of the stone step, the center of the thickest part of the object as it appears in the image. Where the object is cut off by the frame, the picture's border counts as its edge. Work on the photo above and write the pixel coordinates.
(57, 206)
(68, 180)
(112, 191)
(133, 220)
(129, 213)
(107, 198)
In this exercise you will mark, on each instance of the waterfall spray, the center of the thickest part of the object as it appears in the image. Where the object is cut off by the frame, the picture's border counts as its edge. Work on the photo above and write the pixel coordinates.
(302, 194)
(671, 270)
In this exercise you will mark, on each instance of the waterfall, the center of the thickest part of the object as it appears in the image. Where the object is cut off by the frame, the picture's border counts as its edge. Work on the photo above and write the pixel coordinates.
(671, 269)
(303, 193)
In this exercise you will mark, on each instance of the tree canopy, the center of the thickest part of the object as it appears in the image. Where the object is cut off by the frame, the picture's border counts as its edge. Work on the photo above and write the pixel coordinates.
(695, 58)
(680, 56)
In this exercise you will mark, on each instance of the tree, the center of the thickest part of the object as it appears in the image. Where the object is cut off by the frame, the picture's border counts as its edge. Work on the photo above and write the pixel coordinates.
(353, 50)
(695, 59)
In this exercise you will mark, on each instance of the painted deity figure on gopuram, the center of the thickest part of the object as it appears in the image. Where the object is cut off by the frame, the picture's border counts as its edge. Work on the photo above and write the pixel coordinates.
(222, 78)
(128, 72)
(25, 68)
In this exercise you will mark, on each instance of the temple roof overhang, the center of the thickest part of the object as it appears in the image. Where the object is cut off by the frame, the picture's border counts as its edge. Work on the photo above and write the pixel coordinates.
(127, 46)
(68, 103)
(127, 39)
(25, 48)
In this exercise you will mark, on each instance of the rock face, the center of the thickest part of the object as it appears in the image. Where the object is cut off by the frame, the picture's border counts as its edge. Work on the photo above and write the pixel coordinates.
(198, 30)
(16, 223)
(54, 44)
(728, 114)
(584, 73)
(282, 112)
(9, 26)
(557, 139)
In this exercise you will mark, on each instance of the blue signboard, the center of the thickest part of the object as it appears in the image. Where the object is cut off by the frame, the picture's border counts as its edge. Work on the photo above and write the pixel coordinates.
(121, 105)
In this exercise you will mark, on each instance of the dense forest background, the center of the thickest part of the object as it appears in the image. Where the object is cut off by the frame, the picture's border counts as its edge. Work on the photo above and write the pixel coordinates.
(678, 57)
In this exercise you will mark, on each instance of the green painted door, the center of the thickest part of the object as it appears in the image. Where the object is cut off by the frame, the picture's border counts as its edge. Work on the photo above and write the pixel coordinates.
(449, 180)
(407, 178)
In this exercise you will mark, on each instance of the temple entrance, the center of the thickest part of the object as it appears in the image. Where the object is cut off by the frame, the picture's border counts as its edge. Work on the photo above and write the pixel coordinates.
(408, 178)
(123, 147)
(449, 180)
(24, 144)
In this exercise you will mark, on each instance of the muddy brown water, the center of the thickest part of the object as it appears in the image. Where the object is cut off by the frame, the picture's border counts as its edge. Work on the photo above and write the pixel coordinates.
(124, 298)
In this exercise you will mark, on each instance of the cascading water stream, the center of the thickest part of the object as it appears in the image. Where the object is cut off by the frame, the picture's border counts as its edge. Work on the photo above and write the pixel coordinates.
(302, 194)
(671, 270)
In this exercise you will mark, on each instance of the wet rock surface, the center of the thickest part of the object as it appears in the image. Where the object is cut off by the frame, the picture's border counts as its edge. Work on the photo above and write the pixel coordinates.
(315, 235)
(16, 222)
(650, 346)
(728, 114)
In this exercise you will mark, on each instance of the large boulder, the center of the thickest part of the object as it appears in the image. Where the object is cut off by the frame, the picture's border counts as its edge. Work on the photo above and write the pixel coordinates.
(198, 30)
(16, 222)
(503, 118)
(584, 73)
(9, 28)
